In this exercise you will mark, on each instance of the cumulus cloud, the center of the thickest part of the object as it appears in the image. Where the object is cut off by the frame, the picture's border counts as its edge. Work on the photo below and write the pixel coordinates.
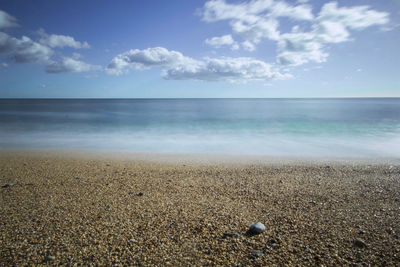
(240, 69)
(54, 40)
(225, 40)
(6, 20)
(215, 10)
(143, 59)
(24, 50)
(300, 48)
(256, 19)
(357, 17)
(67, 64)
(332, 25)
(176, 66)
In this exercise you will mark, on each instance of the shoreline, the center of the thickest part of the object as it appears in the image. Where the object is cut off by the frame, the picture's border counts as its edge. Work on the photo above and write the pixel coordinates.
(196, 158)
(66, 208)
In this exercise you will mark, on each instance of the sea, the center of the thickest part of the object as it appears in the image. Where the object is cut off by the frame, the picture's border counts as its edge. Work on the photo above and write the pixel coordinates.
(328, 127)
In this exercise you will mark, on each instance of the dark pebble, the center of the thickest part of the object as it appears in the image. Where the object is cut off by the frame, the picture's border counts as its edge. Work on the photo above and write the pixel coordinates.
(7, 185)
(359, 243)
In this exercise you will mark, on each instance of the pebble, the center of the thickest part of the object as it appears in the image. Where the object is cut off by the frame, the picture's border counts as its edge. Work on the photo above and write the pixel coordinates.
(256, 252)
(359, 243)
(256, 229)
(182, 223)
(7, 185)
(50, 258)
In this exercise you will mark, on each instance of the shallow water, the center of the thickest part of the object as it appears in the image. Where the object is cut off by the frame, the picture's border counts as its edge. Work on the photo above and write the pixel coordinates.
(368, 127)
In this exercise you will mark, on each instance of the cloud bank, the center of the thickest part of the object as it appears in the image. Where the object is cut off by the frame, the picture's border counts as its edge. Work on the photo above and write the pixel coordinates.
(54, 40)
(258, 20)
(26, 50)
(176, 66)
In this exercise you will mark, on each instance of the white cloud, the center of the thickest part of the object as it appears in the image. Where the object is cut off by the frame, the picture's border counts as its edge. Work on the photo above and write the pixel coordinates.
(143, 59)
(252, 11)
(249, 46)
(357, 17)
(254, 20)
(178, 67)
(331, 32)
(225, 40)
(254, 32)
(24, 50)
(299, 12)
(4, 65)
(7, 21)
(332, 25)
(300, 48)
(54, 40)
(70, 65)
(30, 51)
(224, 69)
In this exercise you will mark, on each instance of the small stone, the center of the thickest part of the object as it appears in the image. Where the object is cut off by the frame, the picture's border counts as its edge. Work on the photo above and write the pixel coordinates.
(50, 258)
(7, 185)
(359, 243)
(256, 252)
(140, 194)
(256, 229)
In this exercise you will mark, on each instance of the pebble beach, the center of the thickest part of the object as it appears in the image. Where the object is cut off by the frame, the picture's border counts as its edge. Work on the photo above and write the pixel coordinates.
(61, 209)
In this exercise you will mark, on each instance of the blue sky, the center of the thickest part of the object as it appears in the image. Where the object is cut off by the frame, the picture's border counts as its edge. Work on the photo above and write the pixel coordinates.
(157, 49)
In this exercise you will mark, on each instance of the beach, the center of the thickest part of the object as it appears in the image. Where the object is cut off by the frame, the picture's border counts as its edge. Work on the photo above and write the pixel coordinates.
(91, 209)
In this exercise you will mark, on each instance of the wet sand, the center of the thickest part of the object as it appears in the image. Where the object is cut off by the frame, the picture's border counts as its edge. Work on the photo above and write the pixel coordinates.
(67, 208)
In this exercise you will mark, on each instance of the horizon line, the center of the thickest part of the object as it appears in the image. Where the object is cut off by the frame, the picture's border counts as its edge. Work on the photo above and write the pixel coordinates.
(144, 98)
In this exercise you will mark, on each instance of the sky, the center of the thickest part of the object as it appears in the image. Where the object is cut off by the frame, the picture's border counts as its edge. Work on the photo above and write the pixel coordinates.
(190, 49)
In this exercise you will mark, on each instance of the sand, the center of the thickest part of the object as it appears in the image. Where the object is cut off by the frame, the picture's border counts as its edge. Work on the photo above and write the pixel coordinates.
(66, 208)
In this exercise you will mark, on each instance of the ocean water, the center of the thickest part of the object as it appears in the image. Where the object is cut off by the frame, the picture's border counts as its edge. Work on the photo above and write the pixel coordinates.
(368, 127)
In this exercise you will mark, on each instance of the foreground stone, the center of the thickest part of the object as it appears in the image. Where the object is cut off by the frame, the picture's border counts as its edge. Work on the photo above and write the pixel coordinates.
(256, 229)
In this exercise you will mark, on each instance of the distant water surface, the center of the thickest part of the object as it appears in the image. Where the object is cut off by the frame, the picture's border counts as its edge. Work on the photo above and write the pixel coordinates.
(367, 127)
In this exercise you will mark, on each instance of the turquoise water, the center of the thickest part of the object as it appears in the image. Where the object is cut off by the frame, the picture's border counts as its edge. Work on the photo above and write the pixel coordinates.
(368, 127)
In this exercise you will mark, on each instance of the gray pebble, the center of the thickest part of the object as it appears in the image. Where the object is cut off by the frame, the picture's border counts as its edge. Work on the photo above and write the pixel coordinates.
(256, 252)
(256, 229)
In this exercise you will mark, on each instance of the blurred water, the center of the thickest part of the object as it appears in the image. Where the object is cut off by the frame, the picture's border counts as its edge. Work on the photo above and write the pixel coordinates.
(368, 127)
